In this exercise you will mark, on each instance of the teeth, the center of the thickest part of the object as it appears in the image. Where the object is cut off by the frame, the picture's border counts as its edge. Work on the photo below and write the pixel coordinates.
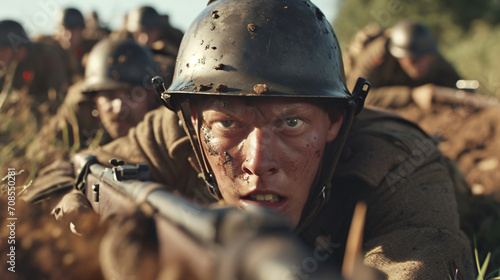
(265, 197)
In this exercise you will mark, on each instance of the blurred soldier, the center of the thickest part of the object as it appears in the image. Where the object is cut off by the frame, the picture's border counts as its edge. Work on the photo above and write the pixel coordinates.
(150, 29)
(69, 41)
(113, 97)
(28, 67)
(267, 120)
(93, 28)
(402, 64)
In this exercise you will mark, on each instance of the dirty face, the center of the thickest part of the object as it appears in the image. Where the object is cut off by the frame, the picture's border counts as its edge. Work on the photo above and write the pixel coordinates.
(119, 110)
(265, 152)
(416, 67)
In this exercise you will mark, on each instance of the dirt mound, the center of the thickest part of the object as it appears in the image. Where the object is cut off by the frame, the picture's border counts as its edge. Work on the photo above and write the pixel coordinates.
(468, 135)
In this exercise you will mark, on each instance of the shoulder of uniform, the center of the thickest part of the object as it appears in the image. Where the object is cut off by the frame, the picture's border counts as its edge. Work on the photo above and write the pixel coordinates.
(379, 142)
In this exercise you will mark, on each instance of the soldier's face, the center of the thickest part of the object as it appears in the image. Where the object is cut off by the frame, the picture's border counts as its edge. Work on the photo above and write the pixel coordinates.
(119, 110)
(7, 55)
(265, 152)
(70, 38)
(416, 67)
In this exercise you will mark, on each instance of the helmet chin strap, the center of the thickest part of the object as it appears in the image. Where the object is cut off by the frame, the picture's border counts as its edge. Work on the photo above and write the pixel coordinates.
(322, 186)
(193, 134)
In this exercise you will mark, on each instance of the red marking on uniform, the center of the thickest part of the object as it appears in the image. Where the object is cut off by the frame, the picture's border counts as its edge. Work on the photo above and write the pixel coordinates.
(78, 52)
(27, 76)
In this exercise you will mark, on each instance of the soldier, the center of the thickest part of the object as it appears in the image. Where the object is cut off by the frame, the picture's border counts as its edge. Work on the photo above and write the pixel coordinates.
(28, 67)
(93, 28)
(113, 97)
(150, 29)
(69, 41)
(260, 91)
(402, 64)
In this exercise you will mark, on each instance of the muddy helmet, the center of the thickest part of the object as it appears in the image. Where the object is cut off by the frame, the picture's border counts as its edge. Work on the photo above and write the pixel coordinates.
(12, 34)
(410, 39)
(257, 49)
(116, 64)
(70, 18)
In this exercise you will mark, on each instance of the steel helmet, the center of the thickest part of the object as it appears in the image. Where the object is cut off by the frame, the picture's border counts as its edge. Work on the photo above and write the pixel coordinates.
(12, 34)
(144, 18)
(262, 48)
(116, 64)
(410, 39)
(70, 18)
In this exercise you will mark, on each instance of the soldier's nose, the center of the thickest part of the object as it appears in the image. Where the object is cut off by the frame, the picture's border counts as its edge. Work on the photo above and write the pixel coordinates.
(259, 153)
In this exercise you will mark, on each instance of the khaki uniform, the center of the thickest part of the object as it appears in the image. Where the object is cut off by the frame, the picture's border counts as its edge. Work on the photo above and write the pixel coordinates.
(412, 225)
(71, 129)
(391, 86)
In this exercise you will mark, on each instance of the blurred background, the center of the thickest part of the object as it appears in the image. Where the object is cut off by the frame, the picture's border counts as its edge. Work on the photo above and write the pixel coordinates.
(468, 31)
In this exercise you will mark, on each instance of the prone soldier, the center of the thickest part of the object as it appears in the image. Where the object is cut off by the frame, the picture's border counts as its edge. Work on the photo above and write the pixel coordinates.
(267, 120)
(114, 96)
(70, 42)
(29, 67)
(403, 65)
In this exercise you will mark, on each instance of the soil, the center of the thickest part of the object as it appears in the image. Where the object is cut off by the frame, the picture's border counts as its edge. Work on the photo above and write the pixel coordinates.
(469, 136)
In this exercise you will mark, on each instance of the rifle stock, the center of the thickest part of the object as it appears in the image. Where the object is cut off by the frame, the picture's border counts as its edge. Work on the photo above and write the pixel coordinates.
(219, 243)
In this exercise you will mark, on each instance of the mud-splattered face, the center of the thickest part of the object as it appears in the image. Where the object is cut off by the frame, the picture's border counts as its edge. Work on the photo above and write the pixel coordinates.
(265, 152)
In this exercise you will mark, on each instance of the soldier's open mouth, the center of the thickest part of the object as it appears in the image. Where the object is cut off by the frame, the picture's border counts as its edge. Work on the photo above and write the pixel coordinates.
(270, 198)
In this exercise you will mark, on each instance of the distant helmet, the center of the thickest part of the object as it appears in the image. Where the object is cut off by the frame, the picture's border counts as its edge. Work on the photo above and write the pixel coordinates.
(262, 48)
(409, 39)
(118, 63)
(12, 34)
(144, 18)
(70, 18)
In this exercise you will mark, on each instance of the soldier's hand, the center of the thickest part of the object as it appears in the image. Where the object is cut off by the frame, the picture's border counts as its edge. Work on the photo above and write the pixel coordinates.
(423, 96)
(75, 212)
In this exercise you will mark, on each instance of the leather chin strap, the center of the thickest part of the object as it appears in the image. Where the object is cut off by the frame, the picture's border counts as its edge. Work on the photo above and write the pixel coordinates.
(321, 191)
(322, 188)
(207, 174)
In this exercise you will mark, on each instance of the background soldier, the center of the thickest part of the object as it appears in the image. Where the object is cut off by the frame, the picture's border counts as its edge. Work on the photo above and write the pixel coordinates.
(113, 97)
(70, 42)
(402, 64)
(152, 30)
(29, 71)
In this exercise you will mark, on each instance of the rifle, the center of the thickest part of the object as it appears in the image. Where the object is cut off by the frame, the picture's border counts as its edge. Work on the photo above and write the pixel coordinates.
(465, 95)
(220, 243)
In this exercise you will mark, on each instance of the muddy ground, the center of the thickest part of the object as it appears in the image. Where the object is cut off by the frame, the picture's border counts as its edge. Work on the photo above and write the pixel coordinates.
(468, 135)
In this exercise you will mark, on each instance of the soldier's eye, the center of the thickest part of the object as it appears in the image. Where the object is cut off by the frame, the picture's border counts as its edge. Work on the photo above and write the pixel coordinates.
(225, 124)
(293, 122)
